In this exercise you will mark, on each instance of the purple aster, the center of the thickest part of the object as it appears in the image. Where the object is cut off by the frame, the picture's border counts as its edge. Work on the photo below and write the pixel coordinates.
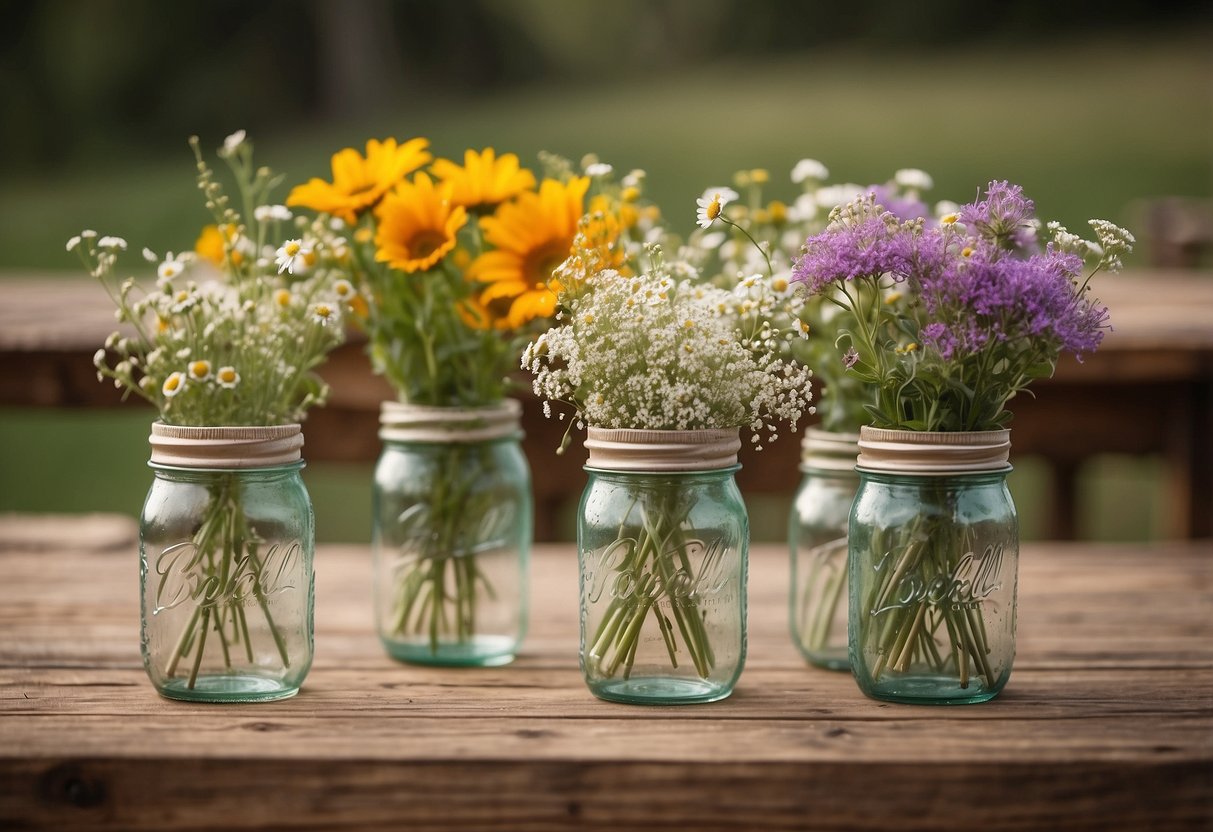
(871, 246)
(1004, 217)
(990, 296)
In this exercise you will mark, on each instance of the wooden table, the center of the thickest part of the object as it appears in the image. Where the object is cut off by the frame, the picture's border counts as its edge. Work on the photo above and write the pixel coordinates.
(1106, 724)
(1148, 390)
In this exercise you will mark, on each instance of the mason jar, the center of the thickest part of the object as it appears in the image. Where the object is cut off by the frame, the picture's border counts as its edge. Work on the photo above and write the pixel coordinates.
(817, 539)
(934, 546)
(451, 534)
(662, 538)
(226, 540)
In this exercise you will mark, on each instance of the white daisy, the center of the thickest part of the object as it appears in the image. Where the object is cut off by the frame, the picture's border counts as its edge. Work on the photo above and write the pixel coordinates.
(324, 314)
(343, 289)
(173, 385)
(227, 377)
(168, 270)
(292, 257)
(200, 370)
(712, 203)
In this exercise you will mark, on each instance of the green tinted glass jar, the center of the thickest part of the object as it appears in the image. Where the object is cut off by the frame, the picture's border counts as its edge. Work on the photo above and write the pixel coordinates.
(452, 534)
(662, 536)
(934, 547)
(817, 538)
(226, 541)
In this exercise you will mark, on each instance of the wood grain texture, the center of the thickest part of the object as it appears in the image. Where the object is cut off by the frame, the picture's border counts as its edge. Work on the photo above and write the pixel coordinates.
(1107, 722)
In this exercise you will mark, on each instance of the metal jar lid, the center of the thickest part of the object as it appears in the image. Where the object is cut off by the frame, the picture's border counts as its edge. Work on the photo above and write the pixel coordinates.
(260, 446)
(933, 452)
(400, 422)
(625, 449)
(827, 450)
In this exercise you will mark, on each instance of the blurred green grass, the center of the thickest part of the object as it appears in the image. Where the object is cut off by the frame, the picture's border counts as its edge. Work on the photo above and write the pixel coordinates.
(1089, 129)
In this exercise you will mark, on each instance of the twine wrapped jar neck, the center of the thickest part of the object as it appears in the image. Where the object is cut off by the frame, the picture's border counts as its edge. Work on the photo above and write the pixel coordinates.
(625, 449)
(400, 422)
(933, 453)
(261, 446)
(825, 450)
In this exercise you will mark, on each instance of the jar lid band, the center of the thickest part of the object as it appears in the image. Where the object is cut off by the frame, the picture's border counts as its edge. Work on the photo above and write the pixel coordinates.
(933, 452)
(261, 446)
(400, 422)
(828, 450)
(625, 449)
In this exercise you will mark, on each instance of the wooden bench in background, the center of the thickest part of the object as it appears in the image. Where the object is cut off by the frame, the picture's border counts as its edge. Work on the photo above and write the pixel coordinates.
(1149, 390)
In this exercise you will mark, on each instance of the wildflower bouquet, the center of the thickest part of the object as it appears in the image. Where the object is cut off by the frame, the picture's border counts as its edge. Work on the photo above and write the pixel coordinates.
(454, 264)
(227, 337)
(984, 309)
(658, 349)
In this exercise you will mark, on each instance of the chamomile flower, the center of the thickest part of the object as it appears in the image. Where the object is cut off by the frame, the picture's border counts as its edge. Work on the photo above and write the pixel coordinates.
(227, 377)
(711, 204)
(173, 385)
(292, 257)
(168, 270)
(324, 313)
(150, 256)
(282, 297)
(343, 289)
(200, 370)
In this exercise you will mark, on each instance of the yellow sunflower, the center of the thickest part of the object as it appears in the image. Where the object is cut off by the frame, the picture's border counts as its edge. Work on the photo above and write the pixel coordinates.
(531, 236)
(484, 179)
(360, 182)
(417, 225)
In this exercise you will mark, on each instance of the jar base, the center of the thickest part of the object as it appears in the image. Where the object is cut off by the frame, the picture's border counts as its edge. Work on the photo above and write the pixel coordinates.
(227, 688)
(478, 651)
(659, 690)
(930, 690)
(835, 659)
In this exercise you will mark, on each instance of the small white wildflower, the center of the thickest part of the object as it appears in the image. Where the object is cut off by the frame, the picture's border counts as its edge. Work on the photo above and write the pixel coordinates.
(946, 208)
(149, 255)
(200, 370)
(809, 169)
(265, 213)
(343, 289)
(73, 242)
(88, 234)
(634, 178)
(914, 179)
(598, 169)
(233, 142)
(112, 243)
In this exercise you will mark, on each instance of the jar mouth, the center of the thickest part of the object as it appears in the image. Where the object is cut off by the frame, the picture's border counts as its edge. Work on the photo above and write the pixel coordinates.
(403, 422)
(662, 451)
(933, 452)
(225, 447)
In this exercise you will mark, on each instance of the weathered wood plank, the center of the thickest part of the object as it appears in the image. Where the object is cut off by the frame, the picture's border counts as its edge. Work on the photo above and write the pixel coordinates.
(1107, 723)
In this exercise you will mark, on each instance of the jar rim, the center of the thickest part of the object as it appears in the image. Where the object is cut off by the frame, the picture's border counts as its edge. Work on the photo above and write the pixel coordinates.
(407, 422)
(225, 447)
(933, 453)
(662, 451)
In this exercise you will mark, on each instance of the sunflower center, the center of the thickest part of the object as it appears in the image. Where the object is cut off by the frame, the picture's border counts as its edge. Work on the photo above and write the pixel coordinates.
(543, 260)
(425, 242)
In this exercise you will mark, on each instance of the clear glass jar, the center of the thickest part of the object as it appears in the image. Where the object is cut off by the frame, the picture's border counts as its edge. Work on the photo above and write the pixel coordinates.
(452, 534)
(817, 538)
(226, 541)
(934, 544)
(662, 536)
